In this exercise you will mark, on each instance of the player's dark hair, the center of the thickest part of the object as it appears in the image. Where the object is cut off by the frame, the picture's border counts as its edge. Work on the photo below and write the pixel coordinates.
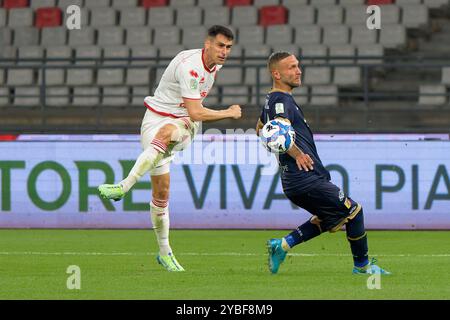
(277, 57)
(216, 29)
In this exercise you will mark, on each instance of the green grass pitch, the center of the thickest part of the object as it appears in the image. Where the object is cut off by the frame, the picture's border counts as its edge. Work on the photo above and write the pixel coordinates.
(220, 264)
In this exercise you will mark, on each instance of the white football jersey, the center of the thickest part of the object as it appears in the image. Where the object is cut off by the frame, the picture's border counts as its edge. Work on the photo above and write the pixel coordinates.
(186, 76)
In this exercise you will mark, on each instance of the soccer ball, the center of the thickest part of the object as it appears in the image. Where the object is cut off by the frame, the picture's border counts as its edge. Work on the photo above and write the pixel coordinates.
(277, 136)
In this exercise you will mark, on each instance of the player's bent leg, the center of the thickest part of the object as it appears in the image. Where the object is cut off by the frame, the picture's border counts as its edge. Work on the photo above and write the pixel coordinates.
(146, 161)
(357, 238)
(159, 209)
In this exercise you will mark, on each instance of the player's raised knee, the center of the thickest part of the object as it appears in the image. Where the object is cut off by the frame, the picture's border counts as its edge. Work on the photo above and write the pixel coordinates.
(166, 132)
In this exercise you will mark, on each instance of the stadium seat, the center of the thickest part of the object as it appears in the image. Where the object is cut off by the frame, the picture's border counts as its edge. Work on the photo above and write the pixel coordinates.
(5, 37)
(343, 50)
(301, 95)
(302, 15)
(2, 18)
(244, 16)
(170, 50)
(366, 51)
(432, 95)
(4, 95)
(103, 17)
(317, 75)
(138, 76)
(113, 52)
(26, 96)
(8, 52)
(26, 36)
(108, 36)
(446, 76)
(290, 3)
(158, 74)
(318, 51)
(232, 3)
(2, 77)
(347, 76)
(97, 3)
(182, 3)
(324, 3)
(335, 35)
(138, 95)
(9, 4)
(327, 15)
(228, 97)
(379, 2)
(216, 15)
(250, 35)
(435, 3)
(392, 36)
(415, 16)
(138, 36)
(194, 37)
(210, 3)
(264, 3)
(163, 16)
(164, 36)
(86, 53)
(82, 37)
(390, 14)
(54, 36)
(324, 95)
(133, 17)
(273, 15)
(263, 91)
(407, 2)
(20, 77)
(30, 52)
(153, 3)
(58, 52)
(264, 76)
(53, 77)
(86, 96)
(229, 76)
(79, 76)
(276, 35)
(48, 17)
(363, 35)
(143, 51)
(187, 17)
(124, 3)
(356, 15)
(57, 96)
(351, 2)
(63, 4)
(20, 17)
(115, 96)
(308, 34)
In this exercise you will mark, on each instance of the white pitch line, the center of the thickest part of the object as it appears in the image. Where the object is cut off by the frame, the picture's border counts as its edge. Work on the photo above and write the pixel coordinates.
(18, 253)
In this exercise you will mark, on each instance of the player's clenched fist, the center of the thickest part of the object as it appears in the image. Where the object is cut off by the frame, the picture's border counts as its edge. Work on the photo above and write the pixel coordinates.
(235, 111)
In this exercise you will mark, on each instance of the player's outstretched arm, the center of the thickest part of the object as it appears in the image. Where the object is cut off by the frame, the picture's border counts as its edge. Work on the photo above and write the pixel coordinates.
(197, 112)
(259, 126)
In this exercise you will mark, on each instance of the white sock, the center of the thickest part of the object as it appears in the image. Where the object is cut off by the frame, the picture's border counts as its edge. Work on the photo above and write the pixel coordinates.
(285, 245)
(145, 162)
(159, 210)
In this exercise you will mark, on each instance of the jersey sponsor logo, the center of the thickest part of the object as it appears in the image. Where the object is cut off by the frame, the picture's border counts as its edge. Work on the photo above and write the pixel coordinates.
(203, 94)
(279, 107)
(347, 203)
(341, 195)
(193, 84)
(202, 80)
(193, 73)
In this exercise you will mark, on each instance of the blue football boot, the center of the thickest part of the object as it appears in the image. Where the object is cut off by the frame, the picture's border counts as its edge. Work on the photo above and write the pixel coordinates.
(276, 254)
(371, 268)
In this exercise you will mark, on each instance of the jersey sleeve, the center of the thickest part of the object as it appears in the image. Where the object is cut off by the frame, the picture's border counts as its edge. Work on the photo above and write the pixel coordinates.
(282, 107)
(188, 79)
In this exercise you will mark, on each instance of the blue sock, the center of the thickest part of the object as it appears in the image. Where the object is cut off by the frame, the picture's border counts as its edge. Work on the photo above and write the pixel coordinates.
(303, 233)
(357, 237)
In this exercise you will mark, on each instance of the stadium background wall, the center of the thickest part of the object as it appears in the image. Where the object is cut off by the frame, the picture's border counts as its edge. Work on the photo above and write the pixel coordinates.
(222, 181)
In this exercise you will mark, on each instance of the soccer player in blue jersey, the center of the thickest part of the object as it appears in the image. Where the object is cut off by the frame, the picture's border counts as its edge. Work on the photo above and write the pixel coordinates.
(305, 180)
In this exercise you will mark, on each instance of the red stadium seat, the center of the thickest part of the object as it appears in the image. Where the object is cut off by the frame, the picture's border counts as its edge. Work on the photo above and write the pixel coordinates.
(48, 17)
(378, 2)
(8, 4)
(153, 3)
(233, 3)
(270, 15)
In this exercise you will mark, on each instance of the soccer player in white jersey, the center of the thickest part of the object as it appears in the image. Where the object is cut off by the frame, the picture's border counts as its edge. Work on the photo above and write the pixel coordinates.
(170, 124)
